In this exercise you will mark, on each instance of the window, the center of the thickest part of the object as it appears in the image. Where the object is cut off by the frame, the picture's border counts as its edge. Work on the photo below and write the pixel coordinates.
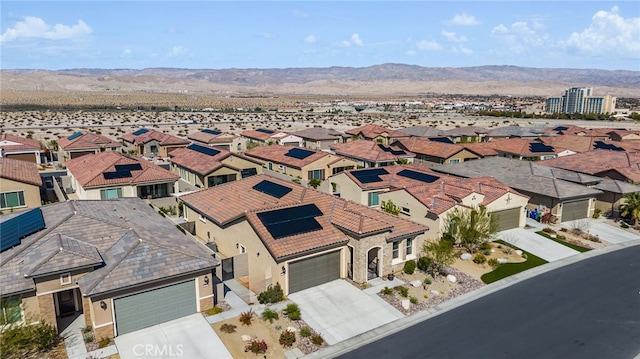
(270, 165)
(316, 174)
(202, 219)
(395, 254)
(110, 193)
(154, 149)
(409, 250)
(10, 311)
(454, 160)
(405, 210)
(184, 174)
(374, 200)
(12, 199)
(65, 278)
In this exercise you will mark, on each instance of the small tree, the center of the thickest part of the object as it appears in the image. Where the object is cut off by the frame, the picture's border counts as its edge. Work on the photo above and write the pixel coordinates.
(390, 207)
(471, 227)
(440, 253)
(314, 182)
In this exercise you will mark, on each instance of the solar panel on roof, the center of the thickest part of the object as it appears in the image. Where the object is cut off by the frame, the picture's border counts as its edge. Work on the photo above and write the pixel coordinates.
(440, 139)
(299, 153)
(20, 226)
(264, 130)
(272, 189)
(74, 136)
(203, 149)
(369, 175)
(116, 175)
(140, 131)
(419, 176)
(248, 172)
(540, 147)
(211, 132)
(287, 222)
(391, 150)
(607, 146)
(129, 167)
(561, 128)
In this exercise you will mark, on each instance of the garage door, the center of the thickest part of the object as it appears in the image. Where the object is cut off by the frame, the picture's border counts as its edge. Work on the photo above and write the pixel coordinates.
(27, 157)
(508, 218)
(153, 307)
(575, 210)
(314, 271)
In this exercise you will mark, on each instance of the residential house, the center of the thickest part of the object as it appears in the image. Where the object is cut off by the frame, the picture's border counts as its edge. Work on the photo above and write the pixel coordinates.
(150, 143)
(84, 143)
(527, 149)
(108, 175)
(614, 164)
(117, 262)
(203, 166)
(422, 131)
(218, 139)
(506, 132)
(466, 134)
(302, 163)
(319, 138)
(565, 195)
(19, 185)
(265, 136)
(372, 154)
(277, 231)
(376, 133)
(598, 134)
(436, 152)
(19, 148)
(623, 135)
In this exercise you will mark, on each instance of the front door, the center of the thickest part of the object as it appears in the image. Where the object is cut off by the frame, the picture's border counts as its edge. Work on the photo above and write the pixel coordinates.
(66, 304)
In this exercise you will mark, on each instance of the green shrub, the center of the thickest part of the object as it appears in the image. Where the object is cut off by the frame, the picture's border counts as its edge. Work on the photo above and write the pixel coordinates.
(89, 338)
(24, 340)
(624, 225)
(270, 315)
(424, 263)
(86, 329)
(213, 311)
(479, 258)
(256, 347)
(305, 332)
(386, 291)
(493, 263)
(104, 342)
(597, 212)
(181, 229)
(404, 291)
(317, 339)
(273, 294)
(413, 300)
(485, 246)
(292, 311)
(287, 338)
(487, 252)
(228, 328)
(409, 266)
(427, 280)
(245, 317)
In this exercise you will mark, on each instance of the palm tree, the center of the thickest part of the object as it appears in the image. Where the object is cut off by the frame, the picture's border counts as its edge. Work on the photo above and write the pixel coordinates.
(631, 207)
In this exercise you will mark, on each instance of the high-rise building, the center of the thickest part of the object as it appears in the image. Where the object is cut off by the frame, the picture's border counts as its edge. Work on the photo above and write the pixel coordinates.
(580, 100)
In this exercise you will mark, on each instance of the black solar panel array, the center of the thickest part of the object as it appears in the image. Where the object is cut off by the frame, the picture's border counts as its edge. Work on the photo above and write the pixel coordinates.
(203, 149)
(116, 174)
(606, 146)
(140, 131)
(129, 167)
(299, 153)
(560, 128)
(272, 189)
(211, 132)
(264, 130)
(419, 176)
(369, 175)
(20, 226)
(74, 136)
(288, 222)
(540, 147)
(391, 150)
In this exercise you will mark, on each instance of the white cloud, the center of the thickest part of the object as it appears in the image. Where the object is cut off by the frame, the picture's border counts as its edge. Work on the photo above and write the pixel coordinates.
(500, 29)
(462, 50)
(521, 34)
(310, 39)
(35, 27)
(177, 51)
(126, 53)
(609, 33)
(356, 40)
(427, 45)
(451, 36)
(464, 20)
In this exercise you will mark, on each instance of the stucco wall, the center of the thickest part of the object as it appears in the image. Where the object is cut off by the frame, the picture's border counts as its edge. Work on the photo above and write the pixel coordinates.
(31, 193)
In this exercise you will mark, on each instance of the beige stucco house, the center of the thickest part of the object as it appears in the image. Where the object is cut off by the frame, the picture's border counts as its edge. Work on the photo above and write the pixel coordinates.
(84, 143)
(151, 143)
(19, 185)
(218, 139)
(19, 148)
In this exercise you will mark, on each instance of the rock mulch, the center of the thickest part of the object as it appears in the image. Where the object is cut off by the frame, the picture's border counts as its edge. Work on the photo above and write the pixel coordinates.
(304, 344)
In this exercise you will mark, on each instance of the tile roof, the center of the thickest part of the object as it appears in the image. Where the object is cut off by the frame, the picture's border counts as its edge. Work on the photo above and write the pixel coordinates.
(234, 200)
(515, 131)
(571, 142)
(164, 139)
(600, 161)
(20, 171)
(87, 140)
(319, 133)
(89, 170)
(465, 131)
(372, 131)
(210, 138)
(617, 186)
(278, 154)
(198, 162)
(261, 136)
(10, 142)
(368, 151)
(422, 131)
(136, 245)
(483, 149)
(430, 148)
(521, 146)
(393, 179)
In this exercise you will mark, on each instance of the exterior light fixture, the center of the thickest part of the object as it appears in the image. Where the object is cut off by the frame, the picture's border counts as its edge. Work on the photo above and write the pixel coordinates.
(103, 305)
(284, 270)
(206, 280)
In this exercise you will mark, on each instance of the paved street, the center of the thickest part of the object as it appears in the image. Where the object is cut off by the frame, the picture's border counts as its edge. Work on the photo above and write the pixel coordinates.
(586, 309)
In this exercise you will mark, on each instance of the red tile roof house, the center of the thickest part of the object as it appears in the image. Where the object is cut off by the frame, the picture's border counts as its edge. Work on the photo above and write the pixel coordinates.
(264, 136)
(372, 154)
(526, 149)
(150, 143)
(426, 197)
(19, 148)
(19, 185)
(617, 165)
(203, 166)
(117, 262)
(297, 236)
(108, 175)
(300, 163)
(319, 138)
(83, 143)
(436, 152)
(376, 133)
(218, 139)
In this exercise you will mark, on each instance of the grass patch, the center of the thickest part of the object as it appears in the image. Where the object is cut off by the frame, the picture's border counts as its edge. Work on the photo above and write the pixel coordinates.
(213, 311)
(567, 244)
(509, 269)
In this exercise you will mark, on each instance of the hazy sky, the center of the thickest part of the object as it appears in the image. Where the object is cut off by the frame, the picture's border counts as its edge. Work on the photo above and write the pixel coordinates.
(279, 34)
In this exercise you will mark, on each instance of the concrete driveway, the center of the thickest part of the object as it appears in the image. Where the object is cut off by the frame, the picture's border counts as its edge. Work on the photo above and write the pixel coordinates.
(188, 337)
(339, 311)
(536, 244)
(605, 231)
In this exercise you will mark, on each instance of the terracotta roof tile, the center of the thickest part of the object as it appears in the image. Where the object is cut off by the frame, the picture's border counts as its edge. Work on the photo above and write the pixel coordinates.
(521, 146)
(20, 171)
(10, 142)
(164, 139)
(372, 131)
(210, 138)
(369, 151)
(600, 161)
(278, 154)
(198, 162)
(431, 148)
(319, 133)
(87, 140)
